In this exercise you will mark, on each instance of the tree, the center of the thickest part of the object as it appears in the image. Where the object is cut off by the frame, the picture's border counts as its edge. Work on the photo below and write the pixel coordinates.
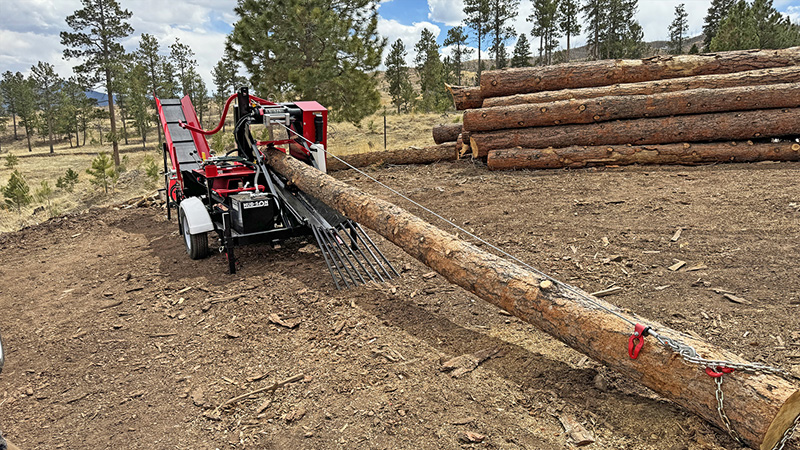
(595, 12)
(314, 49)
(622, 36)
(69, 110)
(758, 25)
(46, 84)
(678, 29)
(568, 20)
(43, 193)
(103, 172)
(400, 89)
(477, 12)
(522, 52)
(198, 92)
(431, 73)
(136, 90)
(9, 88)
(716, 12)
(17, 193)
(500, 13)
(99, 28)
(11, 160)
(182, 57)
(694, 50)
(147, 56)
(458, 37)
(167, 80)
(68, 181)
(25, 104)
(545, 27)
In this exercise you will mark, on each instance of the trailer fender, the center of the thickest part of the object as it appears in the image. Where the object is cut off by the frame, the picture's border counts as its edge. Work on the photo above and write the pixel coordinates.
(196, 215)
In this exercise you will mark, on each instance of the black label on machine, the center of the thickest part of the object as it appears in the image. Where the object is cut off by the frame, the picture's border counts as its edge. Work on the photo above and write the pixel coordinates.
(252, 214)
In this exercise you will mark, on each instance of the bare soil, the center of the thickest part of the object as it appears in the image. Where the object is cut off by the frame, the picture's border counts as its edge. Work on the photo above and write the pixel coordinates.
(117, 340)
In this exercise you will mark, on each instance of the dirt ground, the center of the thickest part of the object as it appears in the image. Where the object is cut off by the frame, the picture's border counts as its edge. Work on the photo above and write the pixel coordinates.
(117, 340)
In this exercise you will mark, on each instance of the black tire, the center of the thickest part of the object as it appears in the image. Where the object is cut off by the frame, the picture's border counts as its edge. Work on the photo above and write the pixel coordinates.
(196, 244)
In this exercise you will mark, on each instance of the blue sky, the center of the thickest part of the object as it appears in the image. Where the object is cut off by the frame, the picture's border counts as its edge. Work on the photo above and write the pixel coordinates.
(29, 28)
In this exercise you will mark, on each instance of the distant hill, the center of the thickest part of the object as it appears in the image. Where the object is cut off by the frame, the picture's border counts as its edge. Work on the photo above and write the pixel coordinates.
(102, 99)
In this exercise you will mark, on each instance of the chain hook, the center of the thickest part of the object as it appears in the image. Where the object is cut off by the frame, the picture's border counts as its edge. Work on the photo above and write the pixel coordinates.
(636, 341)
(718, 371)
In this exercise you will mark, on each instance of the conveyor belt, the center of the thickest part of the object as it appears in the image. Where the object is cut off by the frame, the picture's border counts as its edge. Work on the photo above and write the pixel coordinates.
(181, 138)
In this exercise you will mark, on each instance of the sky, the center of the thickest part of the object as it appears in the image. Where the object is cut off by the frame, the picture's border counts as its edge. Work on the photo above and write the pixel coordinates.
(29, 30)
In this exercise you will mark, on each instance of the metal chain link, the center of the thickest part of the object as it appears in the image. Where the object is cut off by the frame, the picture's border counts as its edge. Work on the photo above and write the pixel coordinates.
(787, 434)
(721, 410)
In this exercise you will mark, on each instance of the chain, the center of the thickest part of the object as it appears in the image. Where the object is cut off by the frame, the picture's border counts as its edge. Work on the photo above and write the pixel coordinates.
(787, 434)
(721, 410)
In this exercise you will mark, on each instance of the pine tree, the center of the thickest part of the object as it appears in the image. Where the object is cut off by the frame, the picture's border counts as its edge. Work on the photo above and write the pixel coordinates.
(716, 12)
(182, 57)
(68, 181)
(568, 20)
(43, 193)
(315, 49)
(622, 35)
(458, 37)
(69, 112)
(477, 12)
(522, 52)
(678, 29)
(694, 50)
(431, 73)
(500, 13)
(167, 80)
(198, 92)
(8, 87)
(136, 90)
(758, 25)
(103, 172)
(147, 56)
(99, 27)
(545, 27)
(400, 89)
(595, 12)
(17, 193)
(25, 104)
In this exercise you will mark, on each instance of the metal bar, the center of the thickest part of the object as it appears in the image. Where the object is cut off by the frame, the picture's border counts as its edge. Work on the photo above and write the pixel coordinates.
(326, 247)
(325, 256)
(377, 249)
(355, 256)
(335, 253)
(354, 240)
(344, 257)
(377, 260)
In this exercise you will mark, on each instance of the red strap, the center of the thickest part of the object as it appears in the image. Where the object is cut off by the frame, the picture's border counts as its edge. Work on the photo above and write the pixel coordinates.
(720, 371)
(636, 341)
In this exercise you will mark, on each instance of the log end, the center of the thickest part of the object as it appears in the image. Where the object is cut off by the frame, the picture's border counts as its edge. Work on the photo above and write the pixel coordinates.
(784, 420)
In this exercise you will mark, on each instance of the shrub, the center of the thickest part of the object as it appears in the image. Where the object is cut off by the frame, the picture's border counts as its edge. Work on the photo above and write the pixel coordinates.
(103, 172)
(68, 181)
(17, 193)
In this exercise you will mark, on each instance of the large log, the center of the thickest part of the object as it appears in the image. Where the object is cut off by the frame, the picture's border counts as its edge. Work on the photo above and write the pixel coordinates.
(575, 157)
(465, 97)
(447, 132)
(603, 109)
(760, 406)
(729, 126)
(499, 83)
(749, 78)
(410, 155)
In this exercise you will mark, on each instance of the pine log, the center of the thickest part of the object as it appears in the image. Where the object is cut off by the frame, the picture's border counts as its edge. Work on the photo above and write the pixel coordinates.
(621, 155)
(446, 132)
(499, 83)
(603, 109)
(736, 126)
(760, 407)
(465, 97)
(749, 78)
(464, 149)
(410, 155)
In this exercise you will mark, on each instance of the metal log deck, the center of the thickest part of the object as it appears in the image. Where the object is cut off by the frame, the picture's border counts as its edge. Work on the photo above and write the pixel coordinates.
(760, 407)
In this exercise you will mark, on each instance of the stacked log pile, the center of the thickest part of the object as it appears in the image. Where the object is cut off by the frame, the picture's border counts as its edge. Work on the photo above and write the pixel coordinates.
(687, 109)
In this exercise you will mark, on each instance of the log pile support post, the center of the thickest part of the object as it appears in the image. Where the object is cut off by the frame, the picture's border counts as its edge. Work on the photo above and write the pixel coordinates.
(760, 407)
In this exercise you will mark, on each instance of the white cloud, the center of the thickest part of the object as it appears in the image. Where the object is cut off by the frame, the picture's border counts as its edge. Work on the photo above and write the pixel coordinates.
(393, 30)
(448, 12)
(793, 12)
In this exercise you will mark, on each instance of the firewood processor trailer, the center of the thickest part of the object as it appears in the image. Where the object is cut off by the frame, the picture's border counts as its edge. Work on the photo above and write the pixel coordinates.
(244, 201)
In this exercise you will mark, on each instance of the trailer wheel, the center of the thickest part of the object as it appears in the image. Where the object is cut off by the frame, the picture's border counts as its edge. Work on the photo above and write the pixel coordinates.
(196, 244)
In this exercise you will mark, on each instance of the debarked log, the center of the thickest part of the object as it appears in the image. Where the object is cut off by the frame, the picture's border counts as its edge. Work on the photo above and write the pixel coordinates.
(410, 155)
(603, 109)
(465, 97)
(727, 126)
(500, 83)
(760, 407)
(447, 132)
(779, 75)
(685, 153)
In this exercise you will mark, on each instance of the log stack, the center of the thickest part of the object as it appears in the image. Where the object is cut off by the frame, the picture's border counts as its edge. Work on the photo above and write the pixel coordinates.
(687, 109)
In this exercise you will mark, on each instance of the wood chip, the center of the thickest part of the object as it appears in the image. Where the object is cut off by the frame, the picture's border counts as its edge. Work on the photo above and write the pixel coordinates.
(469, 362)
(463, 421)
(677, 266)
(108, 305)
(160, 335)
(736, 299)
(429, 275)
(677, 235)
(579, 435)
(607, 292)
(661, 288)
(469, 437)
(339, 327)
(700, 266)
(276, 319)
(295, 415)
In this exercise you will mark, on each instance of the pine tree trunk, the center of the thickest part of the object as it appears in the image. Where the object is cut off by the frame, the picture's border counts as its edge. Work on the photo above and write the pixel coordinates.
(621, 155)
(607, 72)
(749, 78)
(661, 130)
(411, 155)
(28, 136)
(115, 144)
(465, 97)
(14, 120)
(446, 132)
(759, 406)
(124, 119)
(50, 132)
(603, 109)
